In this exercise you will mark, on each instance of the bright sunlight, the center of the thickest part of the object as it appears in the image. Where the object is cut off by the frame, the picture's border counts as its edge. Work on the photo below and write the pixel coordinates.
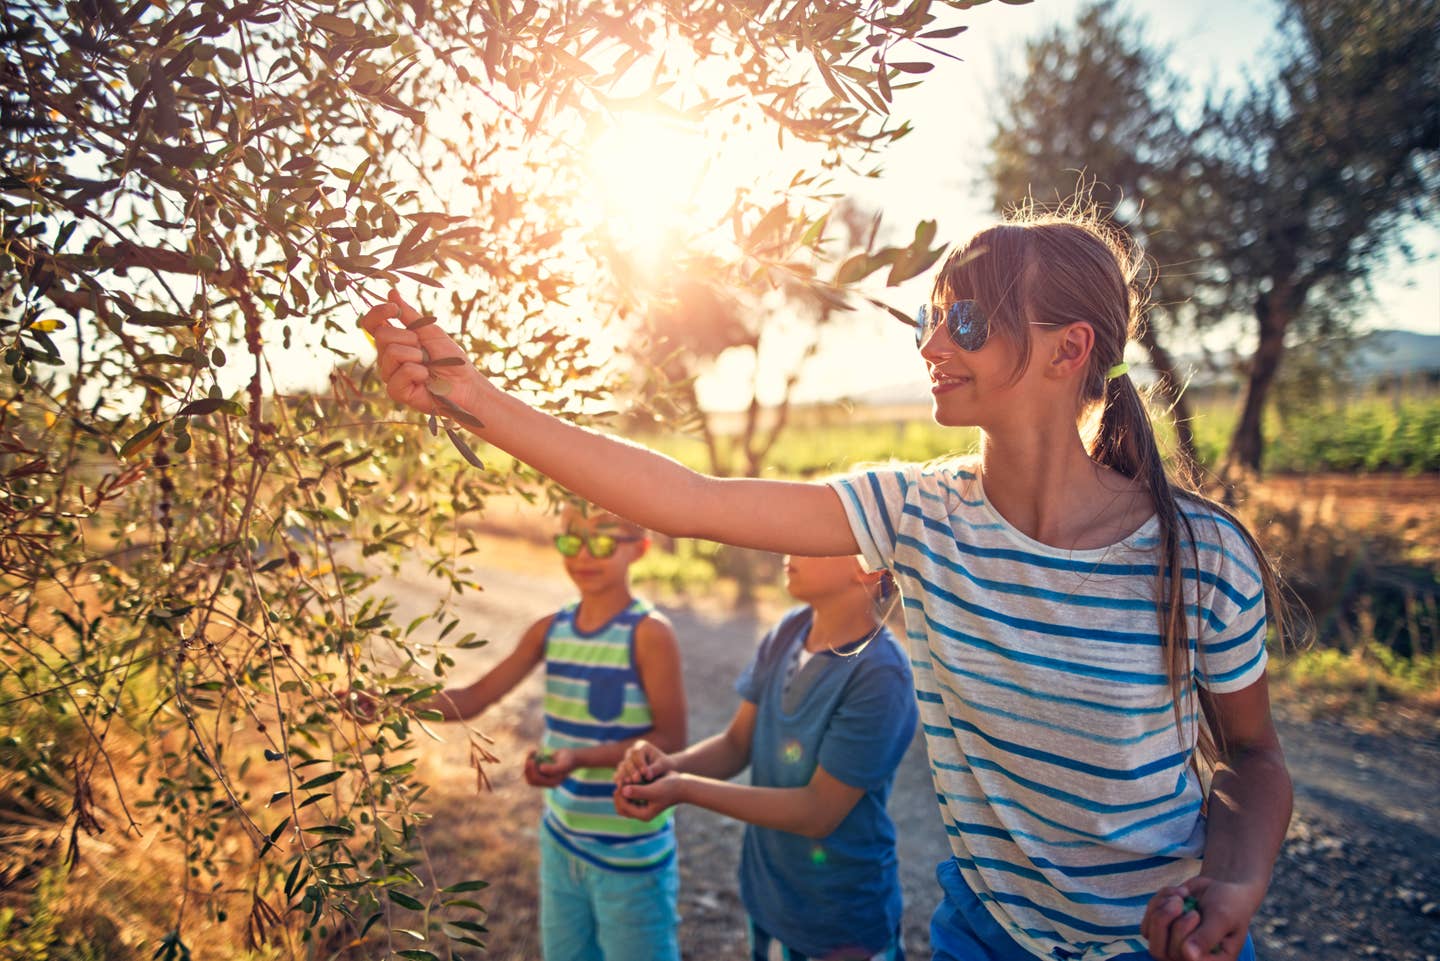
(648, 174)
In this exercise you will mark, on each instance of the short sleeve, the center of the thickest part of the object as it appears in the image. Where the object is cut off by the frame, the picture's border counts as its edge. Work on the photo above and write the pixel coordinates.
(1232, 653)
(872, 725)
(873, 502)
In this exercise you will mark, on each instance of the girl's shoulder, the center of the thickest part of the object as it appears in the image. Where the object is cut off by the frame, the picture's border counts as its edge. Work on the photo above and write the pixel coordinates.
(951, 478)
(1218, 538)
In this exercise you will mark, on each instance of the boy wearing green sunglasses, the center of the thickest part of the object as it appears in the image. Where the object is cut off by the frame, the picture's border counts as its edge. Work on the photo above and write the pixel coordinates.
(612, 678)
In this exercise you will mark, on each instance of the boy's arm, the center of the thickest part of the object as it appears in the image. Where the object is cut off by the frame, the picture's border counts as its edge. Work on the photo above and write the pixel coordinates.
(632, 481)
(657, 660)
(462, 703)
(724, 755)
(812, 811)
(1248, 811)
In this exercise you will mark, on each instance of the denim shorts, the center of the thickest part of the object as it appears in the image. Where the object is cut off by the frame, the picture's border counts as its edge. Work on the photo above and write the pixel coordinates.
(962, 929)
(591, 913)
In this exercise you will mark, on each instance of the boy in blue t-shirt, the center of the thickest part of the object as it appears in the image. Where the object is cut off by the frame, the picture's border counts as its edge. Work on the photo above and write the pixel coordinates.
(828, 711)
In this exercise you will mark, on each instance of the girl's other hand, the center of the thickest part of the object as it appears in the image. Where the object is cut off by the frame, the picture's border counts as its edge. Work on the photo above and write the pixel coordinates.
(1200, 920)
(645, 801)
(421, 366)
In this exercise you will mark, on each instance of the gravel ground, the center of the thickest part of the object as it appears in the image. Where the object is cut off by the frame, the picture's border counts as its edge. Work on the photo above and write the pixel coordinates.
(1359, 876)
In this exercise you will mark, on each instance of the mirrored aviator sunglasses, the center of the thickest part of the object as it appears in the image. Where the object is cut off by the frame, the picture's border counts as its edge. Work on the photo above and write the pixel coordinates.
(600, 546)
(966, 324)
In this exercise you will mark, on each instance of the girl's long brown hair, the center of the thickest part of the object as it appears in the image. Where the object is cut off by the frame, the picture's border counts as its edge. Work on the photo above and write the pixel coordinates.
(1072, 267)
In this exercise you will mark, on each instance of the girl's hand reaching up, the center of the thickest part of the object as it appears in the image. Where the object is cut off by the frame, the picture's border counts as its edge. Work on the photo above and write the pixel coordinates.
(421, 366)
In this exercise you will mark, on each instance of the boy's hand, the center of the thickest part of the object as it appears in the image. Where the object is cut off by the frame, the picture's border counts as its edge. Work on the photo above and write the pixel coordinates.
(421, 366)
(1200, 920)
(551, 772)
(644, 801)
(643, 762)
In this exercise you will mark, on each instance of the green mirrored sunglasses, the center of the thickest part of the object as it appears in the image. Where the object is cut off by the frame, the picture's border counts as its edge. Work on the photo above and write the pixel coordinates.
(600, 546)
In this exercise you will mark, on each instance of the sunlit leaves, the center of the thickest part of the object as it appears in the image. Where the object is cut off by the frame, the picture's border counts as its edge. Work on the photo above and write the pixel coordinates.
(203, 198)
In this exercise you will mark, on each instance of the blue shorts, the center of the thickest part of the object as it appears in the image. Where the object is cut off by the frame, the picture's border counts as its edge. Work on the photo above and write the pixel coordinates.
(590, 913)
(765, 948)
(962, 929)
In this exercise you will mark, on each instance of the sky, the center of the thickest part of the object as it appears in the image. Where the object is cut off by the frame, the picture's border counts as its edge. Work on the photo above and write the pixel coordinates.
(929, 175)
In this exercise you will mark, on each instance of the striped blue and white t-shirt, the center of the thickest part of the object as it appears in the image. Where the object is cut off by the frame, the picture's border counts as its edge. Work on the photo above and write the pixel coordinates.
(1065, 787)
(593, 696)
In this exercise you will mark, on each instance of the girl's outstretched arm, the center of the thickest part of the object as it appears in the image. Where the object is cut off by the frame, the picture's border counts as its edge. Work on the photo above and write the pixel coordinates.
(424, 369)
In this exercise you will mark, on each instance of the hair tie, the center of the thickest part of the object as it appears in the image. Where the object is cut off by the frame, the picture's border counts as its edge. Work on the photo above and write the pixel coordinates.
(1117, 371)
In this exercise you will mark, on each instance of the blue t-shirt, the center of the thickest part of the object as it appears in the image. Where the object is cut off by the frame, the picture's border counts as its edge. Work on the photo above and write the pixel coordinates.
(854, 716)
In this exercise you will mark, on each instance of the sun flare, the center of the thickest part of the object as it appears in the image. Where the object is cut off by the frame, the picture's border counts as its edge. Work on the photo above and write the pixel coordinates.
(647, 174)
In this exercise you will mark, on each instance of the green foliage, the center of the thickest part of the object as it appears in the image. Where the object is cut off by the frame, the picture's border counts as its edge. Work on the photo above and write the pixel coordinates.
(1318, 169)
(688, 569)
(196, 198)
(33, 937)
(1361, 677)
(1349, 433)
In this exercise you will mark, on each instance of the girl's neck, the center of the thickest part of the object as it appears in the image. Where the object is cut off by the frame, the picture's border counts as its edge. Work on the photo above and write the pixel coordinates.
(840, 620)
(1050, 489)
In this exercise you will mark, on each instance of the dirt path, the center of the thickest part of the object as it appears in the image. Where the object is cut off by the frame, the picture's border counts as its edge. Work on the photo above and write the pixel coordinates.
(1359, 878)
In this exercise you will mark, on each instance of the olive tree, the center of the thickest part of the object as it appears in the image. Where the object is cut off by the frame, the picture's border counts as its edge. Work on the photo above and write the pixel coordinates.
(196, 199)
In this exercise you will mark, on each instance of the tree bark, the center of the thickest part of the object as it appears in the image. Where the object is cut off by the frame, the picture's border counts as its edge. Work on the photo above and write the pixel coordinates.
(1247, 444)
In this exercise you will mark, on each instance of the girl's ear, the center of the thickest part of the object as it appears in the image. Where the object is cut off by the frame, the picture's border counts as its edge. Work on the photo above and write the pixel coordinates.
(1070, 351)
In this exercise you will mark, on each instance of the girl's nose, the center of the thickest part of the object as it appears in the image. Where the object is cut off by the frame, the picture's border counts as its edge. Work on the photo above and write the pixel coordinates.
(937, 346)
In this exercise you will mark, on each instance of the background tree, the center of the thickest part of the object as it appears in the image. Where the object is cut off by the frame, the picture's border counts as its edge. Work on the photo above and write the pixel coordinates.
(195, 201)
(1094, 117)
(1319, 169)
(697, 323)
(1278, 203)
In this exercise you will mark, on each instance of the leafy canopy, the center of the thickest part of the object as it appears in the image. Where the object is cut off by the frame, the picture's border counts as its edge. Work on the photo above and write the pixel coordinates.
(195, 201)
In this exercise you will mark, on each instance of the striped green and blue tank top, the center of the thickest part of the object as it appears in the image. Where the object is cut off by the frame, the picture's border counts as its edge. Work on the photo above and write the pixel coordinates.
(592, 696)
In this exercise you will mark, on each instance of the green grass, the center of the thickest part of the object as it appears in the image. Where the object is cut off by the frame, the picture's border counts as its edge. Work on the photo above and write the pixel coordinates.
(1357, 681)
(1358, 433)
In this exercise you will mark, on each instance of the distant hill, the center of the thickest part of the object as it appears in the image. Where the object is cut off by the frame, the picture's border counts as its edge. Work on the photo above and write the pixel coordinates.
(1397, 352)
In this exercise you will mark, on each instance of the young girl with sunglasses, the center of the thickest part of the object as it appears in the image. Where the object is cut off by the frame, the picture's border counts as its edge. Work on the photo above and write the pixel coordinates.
(1087, 637)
